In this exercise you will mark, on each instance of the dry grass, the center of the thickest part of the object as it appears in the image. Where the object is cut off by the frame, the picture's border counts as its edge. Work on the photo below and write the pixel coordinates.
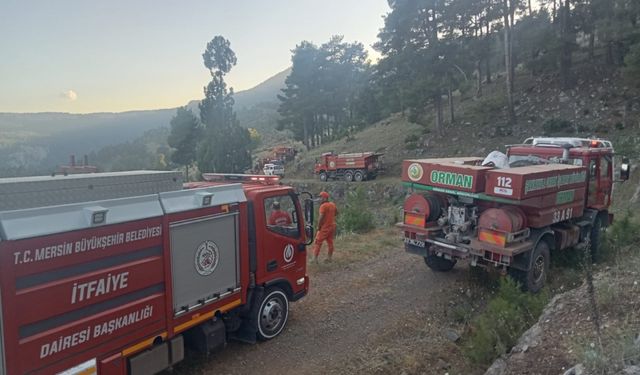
(617, 296)
(357, 248)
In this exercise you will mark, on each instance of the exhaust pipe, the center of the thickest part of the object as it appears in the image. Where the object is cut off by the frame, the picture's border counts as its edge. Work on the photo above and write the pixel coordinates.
(565, 152)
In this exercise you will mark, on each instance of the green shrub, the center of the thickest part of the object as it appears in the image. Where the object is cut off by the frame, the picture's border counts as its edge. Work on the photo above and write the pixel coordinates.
(555, 126)
(355, 216)
(483, 111)
(508, 314)
(411, 138)
(624, 232)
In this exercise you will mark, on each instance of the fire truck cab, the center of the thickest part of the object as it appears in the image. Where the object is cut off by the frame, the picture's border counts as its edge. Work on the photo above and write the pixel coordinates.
(117, 273)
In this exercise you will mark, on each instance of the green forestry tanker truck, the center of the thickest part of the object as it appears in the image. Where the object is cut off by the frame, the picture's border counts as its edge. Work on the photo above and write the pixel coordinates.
(511, 211)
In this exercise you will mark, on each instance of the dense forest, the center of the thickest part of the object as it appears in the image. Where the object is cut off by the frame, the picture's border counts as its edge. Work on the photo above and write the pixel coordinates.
(434, 50)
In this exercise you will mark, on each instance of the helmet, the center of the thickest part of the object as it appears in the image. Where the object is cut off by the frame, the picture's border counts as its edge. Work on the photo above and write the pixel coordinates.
(324, 195)
(275, 205)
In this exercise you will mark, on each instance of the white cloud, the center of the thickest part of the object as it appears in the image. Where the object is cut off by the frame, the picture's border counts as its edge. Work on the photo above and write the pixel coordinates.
(69, 95)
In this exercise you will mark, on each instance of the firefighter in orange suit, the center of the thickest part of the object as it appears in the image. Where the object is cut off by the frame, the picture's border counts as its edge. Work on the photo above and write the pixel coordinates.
(326, 226)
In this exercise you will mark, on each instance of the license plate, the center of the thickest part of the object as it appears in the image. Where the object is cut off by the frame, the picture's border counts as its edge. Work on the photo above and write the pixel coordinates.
(410, 241)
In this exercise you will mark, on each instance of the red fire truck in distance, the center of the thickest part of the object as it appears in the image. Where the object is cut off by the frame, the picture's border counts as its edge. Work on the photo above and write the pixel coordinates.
(359, 166)
(510, 211)
(115, 273)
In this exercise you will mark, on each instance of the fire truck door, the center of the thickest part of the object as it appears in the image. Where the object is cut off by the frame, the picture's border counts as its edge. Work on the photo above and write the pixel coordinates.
(592, 182)
(282, 236)
(600, 181)
(605, 180)
(2, 370)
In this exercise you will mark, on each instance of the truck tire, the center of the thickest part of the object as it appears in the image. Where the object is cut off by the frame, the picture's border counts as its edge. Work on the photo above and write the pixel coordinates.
(534, 279)
(358, 176)
(439, 264)
(323, 176)
(273, 313)
(596, 239)
(348, 176)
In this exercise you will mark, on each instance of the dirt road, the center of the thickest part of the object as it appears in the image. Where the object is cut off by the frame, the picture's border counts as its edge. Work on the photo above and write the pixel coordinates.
(386, 313)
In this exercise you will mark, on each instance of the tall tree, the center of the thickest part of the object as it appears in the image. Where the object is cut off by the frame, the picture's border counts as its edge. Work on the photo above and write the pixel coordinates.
(508, 11)
(224, 146)
(323, 91)
(184, 137)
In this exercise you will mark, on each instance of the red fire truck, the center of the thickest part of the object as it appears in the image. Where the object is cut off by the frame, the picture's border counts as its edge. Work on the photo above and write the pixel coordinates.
(115, 273)
(510, 211)
(358, 166)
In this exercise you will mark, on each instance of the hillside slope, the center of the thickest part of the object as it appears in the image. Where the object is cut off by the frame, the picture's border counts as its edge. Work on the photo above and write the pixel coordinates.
(599, 106)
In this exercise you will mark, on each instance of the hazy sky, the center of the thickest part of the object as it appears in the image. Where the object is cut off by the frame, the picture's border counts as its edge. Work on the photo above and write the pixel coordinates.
(116, 55)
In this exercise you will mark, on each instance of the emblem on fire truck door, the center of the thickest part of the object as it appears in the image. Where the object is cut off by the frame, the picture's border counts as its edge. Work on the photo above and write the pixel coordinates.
(288, 253)
(207, 257)
(415, 172)
(332, 164)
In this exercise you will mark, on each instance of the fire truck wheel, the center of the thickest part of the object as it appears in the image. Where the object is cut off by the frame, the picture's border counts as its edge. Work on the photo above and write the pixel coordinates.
(358, 176)
(596, 233)
(272, 314)
(348, 176)
(536, 276)
(323, 176)
(439, 264)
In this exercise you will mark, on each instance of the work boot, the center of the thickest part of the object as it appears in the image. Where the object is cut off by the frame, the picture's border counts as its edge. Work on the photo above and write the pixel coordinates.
(328, 260)
(315, 260)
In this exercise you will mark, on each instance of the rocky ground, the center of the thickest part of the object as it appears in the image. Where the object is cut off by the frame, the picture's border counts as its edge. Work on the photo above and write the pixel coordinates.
(565, 339)
(373, 310)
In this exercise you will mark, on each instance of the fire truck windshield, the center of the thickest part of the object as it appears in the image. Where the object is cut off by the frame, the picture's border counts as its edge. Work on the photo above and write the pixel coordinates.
(525, 160)
(281, 216)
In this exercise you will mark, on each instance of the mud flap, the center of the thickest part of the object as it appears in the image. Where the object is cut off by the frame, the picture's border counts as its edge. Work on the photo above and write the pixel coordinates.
(247, 331)
(416, 250)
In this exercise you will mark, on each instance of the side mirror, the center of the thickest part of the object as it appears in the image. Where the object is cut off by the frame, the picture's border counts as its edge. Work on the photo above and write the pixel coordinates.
(308, 232)
(308, 217)
(625, 169)
(308, 211)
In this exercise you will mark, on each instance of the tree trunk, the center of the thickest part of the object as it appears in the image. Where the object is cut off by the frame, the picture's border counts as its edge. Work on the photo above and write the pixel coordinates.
(529, 7)
(487, 64)
(507, 61)
(478, 79)
(187, 171)
(555, 8)
(452, 118)
(565, 54)
(488, 59)
(437, 101)
(305, 134)
(592, 44)
(513, 62)
(609, 58)
(402, 107)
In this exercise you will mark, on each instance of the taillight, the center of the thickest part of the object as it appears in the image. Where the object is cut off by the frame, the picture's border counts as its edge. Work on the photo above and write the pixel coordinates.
(414, 219)
(492, 237)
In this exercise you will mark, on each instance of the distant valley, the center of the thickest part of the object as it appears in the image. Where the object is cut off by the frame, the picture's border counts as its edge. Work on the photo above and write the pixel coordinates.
(35, 143)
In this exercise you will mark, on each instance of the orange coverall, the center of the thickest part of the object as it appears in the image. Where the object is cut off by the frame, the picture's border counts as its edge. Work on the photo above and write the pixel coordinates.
(327, 230)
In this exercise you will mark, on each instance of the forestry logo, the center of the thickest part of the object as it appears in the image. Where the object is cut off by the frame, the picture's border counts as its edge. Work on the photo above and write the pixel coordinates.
(415, 172)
